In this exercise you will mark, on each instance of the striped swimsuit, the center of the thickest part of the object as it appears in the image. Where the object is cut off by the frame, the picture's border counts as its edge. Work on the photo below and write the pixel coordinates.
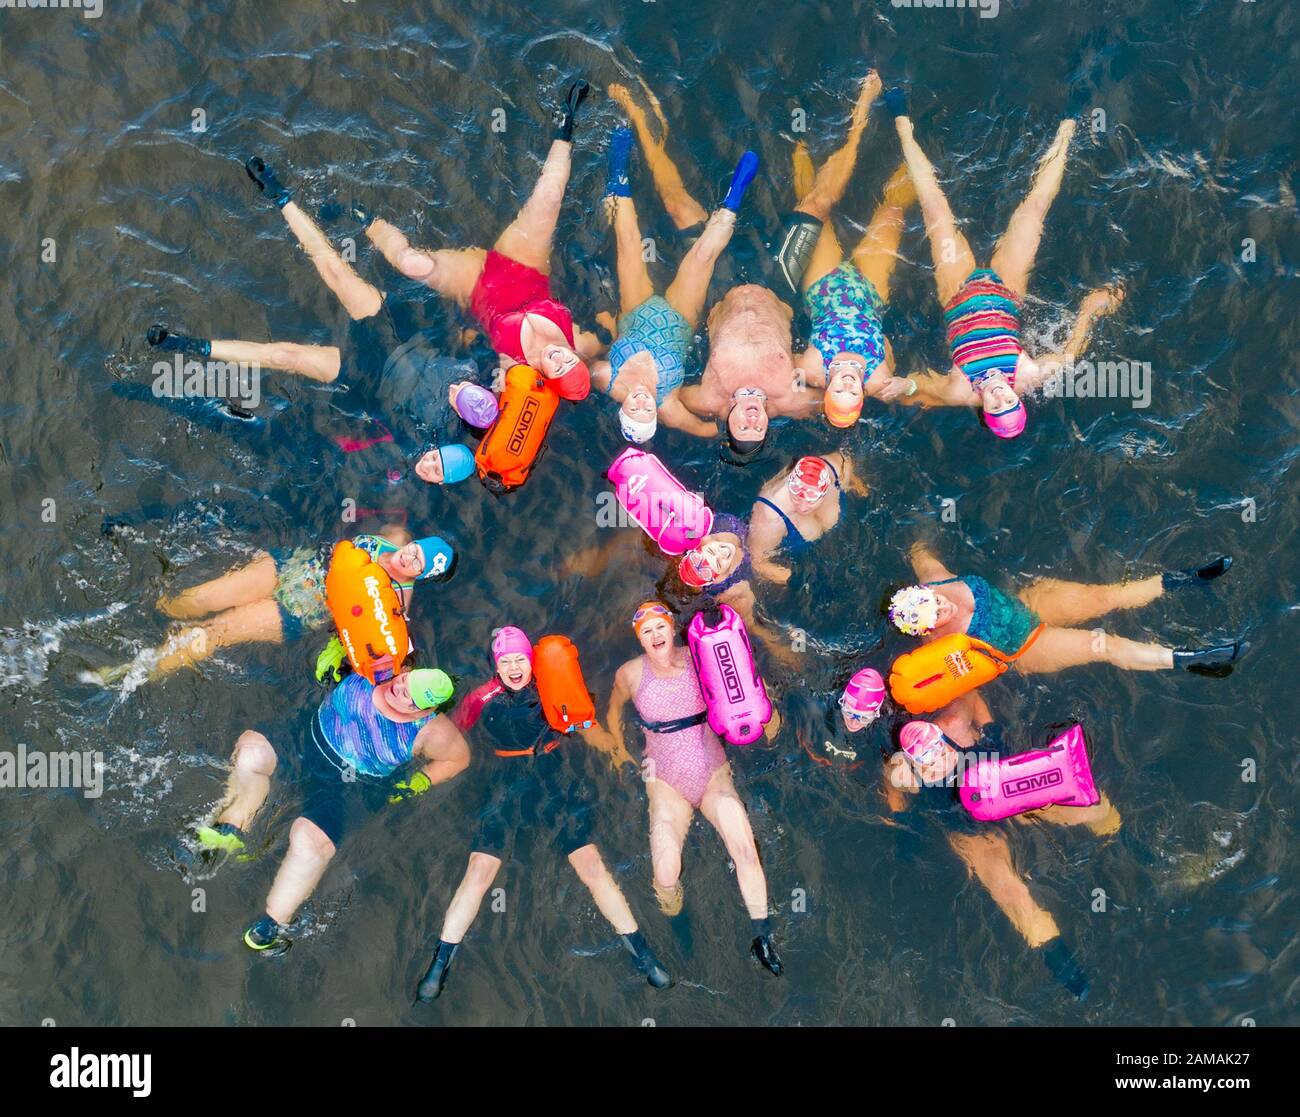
(983, 323)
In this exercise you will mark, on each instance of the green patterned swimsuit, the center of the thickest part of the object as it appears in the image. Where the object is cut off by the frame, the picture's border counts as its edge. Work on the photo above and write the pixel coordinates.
(999, 620)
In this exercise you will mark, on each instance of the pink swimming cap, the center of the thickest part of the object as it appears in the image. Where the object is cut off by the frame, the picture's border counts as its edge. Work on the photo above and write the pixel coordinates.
(919, 739)
(511, 641)
(865, 692)
(1008, 423)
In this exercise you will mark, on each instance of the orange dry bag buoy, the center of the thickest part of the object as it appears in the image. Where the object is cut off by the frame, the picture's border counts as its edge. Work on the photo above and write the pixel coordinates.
(932, 676)
(565, 698)
(511, 447)
(367, 611)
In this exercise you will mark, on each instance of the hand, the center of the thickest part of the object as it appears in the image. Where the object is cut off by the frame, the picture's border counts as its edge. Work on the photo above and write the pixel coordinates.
(1106, 300)
(894, 388)
(330, 661)
(418, 784)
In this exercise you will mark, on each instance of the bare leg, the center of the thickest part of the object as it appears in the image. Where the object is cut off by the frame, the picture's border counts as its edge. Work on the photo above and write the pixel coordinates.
(1058, 648)
(1072, 603)
(317, 362)
(802, 171)
(670, 819)
(722, 807)
(310, 852)
(479, 875)
(591, 870)
(258, 623)
(833, 179)
(452, 272)
(1013, 259)
(690, 288)
(529, 237)
(252, 765)
(877, 251)
(1101, 819)
(358, 297)
(254, 582)
(989, 857)
(634, 285)
(953, 259)
(684, 210)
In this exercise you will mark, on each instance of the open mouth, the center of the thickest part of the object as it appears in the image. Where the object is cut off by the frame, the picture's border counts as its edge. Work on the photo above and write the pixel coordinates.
(515, 678)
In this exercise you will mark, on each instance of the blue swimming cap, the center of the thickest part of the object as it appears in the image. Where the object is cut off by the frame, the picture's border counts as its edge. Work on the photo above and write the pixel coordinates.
(438, 556)
(457, 462)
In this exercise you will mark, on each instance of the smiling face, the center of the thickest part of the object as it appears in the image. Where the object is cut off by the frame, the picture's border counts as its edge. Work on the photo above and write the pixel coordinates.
(948, 609)
(855, 722)
(656, 636)
(429, 467)
(640, 405)
(515, 670)
(844, 393)
(556, 360)
(398, 693)
(407, 563)
(721, 554)
(747, 421)
(996, 394)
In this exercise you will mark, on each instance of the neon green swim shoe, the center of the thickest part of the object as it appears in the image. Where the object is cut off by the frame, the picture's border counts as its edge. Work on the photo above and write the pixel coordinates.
(221, 838)
(267, 937)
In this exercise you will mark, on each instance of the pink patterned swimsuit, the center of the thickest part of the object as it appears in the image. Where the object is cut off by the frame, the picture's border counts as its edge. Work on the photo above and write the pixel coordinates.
(686, 759)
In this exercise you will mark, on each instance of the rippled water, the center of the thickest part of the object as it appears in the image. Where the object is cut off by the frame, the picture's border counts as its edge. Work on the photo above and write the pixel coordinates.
(391, 104)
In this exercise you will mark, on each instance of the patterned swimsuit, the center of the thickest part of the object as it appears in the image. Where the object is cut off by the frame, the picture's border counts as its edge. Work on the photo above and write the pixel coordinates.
(656, 328)
(983, 322)
(686, 759)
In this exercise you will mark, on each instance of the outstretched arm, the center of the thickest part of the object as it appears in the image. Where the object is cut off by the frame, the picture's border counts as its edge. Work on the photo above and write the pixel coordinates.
(765, 534)
(927, 567)
(445, 749)
(1095, 306)
(672, 413)
(610, 741)
(940, 389)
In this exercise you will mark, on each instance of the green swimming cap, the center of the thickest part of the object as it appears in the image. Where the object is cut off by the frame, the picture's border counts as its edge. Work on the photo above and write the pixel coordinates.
(430, 687)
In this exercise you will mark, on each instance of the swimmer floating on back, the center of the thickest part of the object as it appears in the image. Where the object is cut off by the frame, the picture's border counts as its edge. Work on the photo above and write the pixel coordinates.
(535, 785)
(990, 368)
(686, 770)
(647, 361)
(797, 507)
(508, 289)
(276, 598)
(1037, 626)
(356, 741)
(922, 772)
(750, 377)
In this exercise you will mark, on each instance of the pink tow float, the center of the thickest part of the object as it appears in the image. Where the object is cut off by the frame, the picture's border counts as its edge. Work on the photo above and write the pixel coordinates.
(673, 516)
(733, 690)
(1059, 774)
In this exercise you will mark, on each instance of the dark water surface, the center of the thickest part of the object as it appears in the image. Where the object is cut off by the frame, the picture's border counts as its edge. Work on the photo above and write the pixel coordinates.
(391, 104)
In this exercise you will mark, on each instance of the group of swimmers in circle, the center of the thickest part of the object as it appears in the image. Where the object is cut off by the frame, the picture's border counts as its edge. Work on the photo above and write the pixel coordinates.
(388, 731)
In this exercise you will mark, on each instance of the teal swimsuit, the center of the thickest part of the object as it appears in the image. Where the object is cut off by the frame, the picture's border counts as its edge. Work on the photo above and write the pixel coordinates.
(656, 328)
(998, 620)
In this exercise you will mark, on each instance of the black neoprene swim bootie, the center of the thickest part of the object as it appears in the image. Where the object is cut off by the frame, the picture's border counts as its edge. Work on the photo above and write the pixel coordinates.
(565, 115)
(267, 182)
(764, 949)
(160, 337)
(896, 101)
(1197, 575)
(435, 977)
(267, 937)
(646, 962)
(1217, 655)
(1063, 966)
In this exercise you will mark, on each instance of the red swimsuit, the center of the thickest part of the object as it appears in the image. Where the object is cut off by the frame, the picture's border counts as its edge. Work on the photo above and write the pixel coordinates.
(505, 292)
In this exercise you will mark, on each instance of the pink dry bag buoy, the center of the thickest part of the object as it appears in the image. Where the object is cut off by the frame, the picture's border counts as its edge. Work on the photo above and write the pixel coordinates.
(673, 516)
(733, 690)
(1058, 774)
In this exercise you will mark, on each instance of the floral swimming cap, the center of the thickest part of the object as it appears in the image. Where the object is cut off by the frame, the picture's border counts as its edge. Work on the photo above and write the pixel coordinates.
(914, 610)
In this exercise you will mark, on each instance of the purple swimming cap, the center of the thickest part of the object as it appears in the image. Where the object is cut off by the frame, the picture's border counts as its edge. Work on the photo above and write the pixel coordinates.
(477, 406)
